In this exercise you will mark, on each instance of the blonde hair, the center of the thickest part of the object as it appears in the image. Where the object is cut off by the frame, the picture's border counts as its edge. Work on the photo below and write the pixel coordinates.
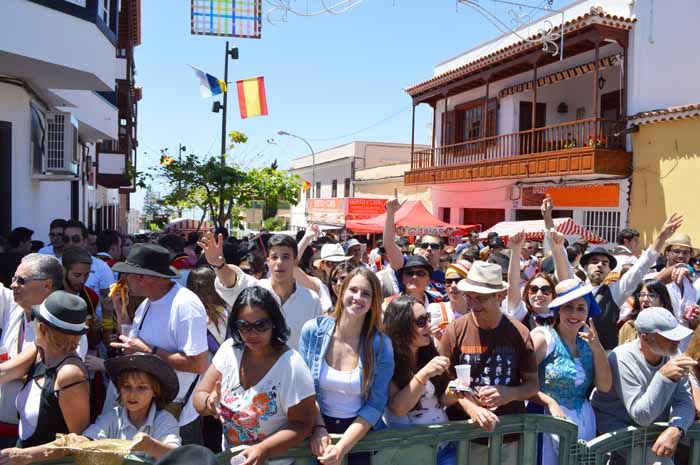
(371, 325)
(64, 342)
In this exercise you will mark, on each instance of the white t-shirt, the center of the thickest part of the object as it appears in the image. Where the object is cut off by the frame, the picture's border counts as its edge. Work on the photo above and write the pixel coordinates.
(177, 322)
(342, 391)
(428, 412)
(251, 415)
(101, 276)
(303, 305)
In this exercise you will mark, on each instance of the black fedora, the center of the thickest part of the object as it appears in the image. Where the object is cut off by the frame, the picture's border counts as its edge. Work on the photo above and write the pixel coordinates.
(64, 312)
(599, 251)
(148, 260)
(188, 455)
(151, 364)
(418, 261)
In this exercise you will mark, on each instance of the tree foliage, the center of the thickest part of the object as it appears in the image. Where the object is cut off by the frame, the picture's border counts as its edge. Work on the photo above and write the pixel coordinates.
(209, 183)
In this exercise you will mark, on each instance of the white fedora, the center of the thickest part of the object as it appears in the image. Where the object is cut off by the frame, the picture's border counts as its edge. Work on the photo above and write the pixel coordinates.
(331, 253)
(483, 278)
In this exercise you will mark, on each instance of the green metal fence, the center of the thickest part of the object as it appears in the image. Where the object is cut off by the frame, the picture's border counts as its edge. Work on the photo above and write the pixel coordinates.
(418, 445)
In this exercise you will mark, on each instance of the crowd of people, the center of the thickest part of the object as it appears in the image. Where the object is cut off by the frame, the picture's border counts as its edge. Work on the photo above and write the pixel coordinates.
(168, 341)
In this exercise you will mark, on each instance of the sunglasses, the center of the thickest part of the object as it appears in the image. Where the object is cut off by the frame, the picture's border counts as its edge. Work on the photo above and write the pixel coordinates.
(76, 239)
(259, 326)
(451, 281)
(422, 320)
(535, 289)
(432, 245)
(416, 273)
(22, 281)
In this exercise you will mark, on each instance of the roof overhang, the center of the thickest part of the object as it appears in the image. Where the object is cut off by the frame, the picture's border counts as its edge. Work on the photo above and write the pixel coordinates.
(580, 35)
(665, 114)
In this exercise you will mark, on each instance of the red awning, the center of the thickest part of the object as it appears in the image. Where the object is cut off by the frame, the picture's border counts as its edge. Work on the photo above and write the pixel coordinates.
(534, 230)
(412, 219)
(186, 225)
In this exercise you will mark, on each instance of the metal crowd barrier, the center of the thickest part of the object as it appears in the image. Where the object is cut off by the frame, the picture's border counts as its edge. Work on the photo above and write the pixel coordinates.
(417, 445)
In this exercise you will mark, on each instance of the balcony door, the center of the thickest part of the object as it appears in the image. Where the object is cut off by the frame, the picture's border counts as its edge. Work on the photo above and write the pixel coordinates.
(528, 141)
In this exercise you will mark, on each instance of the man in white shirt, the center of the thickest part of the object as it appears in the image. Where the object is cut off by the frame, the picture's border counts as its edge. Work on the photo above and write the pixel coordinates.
(170, 323)
(627, 249)
(299, 304)
(55, 248)
(528, 263)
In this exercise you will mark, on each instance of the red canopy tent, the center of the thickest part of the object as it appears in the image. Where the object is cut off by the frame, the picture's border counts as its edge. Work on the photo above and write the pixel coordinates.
(534, 230)
(412, 219)
(186, 225)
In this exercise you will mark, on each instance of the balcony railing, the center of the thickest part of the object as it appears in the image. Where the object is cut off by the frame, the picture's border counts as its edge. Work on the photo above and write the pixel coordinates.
(592, 132)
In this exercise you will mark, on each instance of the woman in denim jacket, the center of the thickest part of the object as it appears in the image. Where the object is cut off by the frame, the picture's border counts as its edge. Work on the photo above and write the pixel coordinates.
(352, 363)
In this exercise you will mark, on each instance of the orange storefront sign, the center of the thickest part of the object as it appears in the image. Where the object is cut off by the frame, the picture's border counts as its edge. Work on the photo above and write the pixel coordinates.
(361, 209)
(590, 195)
(337, 211)
(326, 205)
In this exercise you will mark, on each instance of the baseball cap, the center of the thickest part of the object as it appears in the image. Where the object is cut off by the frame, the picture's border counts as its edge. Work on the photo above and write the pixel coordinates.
(658, 320)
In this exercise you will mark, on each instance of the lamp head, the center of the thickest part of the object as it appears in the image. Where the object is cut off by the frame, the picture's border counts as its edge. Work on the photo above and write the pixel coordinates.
(282, 133)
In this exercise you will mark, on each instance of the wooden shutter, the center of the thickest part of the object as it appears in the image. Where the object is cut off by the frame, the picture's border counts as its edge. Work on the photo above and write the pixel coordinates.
(492, 117)
(449, 124)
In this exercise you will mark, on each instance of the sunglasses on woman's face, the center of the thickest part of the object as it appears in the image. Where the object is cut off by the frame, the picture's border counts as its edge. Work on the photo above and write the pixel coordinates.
(259, 326)
(422, 320)
(451, 281)
(547, 290)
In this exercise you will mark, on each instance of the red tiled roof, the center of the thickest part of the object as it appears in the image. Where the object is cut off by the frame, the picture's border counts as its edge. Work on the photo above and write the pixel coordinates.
(666, 114)
(595, 16)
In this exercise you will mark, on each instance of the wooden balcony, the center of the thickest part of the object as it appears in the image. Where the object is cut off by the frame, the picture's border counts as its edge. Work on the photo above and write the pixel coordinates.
(590, 146)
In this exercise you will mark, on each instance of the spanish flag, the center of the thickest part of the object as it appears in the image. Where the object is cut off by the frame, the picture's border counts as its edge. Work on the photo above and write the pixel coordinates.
(251, 97)
(305, 185)
(208, 84)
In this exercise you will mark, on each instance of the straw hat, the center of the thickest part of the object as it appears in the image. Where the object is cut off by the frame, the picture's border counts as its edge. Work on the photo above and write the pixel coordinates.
(682, 240)
(483, 278)
(99, 452)
(331, 253)
(459, 268)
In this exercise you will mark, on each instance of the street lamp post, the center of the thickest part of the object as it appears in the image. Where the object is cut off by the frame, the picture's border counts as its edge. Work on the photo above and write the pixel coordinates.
(181, 148)
(313, 156)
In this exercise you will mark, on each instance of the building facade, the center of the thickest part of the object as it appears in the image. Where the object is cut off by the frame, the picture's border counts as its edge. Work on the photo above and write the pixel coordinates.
(67, 94)
(332, 174)
(513, 122)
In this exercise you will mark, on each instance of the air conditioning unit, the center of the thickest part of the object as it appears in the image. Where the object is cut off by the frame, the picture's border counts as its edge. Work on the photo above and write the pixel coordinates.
(61, 152)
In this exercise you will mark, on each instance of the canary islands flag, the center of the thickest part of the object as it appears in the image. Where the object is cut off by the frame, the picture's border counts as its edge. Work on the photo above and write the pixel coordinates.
(251, 97)
(305, 185)
(208, 84)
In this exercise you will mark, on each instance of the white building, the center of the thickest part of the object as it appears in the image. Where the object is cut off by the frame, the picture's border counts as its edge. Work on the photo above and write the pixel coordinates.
(331, 172)
(513, 122)
(67, 96)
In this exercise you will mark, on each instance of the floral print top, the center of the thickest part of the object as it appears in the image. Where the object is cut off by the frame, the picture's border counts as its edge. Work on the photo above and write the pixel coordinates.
(251, 415)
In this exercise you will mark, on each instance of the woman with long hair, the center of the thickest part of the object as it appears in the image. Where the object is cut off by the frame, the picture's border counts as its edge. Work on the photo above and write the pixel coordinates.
(531, 305)
(351, 362)
(649, 293)
(259, 388)
(337, 278)
(418, 386)
(201, 282)
(571, 360)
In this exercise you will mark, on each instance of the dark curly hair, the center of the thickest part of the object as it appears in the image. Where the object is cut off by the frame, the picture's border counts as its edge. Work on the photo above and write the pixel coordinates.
(263, 299)
(651, 285)
(398, 325)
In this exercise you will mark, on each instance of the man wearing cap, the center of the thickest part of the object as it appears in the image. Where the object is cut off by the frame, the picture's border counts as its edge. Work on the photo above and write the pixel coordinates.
(299, 304)
(650, 384)
(170, 323)
(500, 353)
(598, 263)
(353, 248)
(415, 281)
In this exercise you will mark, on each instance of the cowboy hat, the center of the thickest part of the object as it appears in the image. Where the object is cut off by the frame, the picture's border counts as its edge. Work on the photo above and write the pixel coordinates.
(151, 364)
(599, 251)
(572, 289)
(682, 240)
(148, 260)
(64, 312)
(331, 253)
(483, 278)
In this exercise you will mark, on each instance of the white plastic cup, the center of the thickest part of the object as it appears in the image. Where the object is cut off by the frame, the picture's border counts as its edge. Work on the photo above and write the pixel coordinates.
(463, 373)
(237, 459)
(126, 330)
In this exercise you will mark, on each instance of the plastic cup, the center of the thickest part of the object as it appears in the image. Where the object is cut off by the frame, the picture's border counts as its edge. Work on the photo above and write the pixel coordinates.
(237, 459)
(126, 330)
(463, 373)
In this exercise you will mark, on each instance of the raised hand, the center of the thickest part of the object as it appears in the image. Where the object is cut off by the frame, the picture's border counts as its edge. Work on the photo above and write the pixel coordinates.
(516, 240)
(670, 226)
(556, 237)
(590, 336)
(393, 205)
(547, 206)
(213, 249)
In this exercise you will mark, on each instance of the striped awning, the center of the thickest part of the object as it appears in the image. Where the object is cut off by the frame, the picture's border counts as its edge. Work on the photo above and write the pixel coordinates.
(534, 230)
(187, 225)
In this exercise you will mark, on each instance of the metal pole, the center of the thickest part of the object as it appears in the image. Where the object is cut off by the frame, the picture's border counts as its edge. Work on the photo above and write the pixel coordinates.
(223, 136)
(179, 183)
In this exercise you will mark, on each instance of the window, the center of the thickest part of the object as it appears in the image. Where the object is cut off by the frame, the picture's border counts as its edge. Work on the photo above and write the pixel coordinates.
(446, 214)
(471, 120)
(483, 217)
(308, 193)
(334, 188)
(318, 190)
(103, 10)
(346, 192)
(605, 224)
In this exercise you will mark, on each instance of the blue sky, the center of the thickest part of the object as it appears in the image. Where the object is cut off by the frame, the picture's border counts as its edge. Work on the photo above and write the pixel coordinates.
(327, 77)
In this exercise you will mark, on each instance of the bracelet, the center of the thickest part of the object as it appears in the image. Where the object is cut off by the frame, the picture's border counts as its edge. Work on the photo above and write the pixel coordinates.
(419, 380)
(218, 267)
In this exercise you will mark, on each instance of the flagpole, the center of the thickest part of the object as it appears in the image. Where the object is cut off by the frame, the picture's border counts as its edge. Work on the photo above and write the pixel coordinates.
(223, 135)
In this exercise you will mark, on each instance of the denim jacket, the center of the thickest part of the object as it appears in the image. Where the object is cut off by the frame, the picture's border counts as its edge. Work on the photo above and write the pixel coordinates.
(315, 337)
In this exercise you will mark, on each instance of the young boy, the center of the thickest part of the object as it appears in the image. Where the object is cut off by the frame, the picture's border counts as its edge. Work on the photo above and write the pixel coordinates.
(145, 384)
